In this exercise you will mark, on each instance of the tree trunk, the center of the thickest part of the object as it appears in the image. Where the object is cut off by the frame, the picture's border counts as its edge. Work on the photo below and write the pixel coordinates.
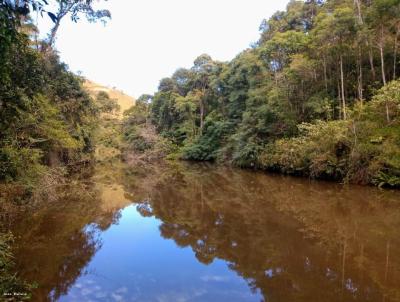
(339, 98)
(359, 15)
(371, 61)
(387, 112)
(302, 98)
(62, 12)
(201, 116)
(381, 44)
(395, 51)
(325, 77)
(342, 88)
(53, 32)
(360, 75)
(202, 109)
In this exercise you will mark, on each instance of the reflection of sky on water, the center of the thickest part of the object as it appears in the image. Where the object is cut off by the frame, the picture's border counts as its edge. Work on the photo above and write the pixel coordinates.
(135, 263)
(201, 233)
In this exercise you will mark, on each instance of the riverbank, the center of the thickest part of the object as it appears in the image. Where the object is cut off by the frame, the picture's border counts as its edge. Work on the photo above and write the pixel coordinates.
(28, 193)
(364, 149)
(306, 99)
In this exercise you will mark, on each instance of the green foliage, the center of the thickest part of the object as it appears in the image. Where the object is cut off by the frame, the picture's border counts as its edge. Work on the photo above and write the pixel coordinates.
(207, 146)
(365, 149)
(136, 141)
(141, 142)
(308, 98)
(278, 50)
(134, 121)
(22, 164)
(9, 281)
(136, 115)
(46, 116)
(385, 104)
(384, 114)
(106, 104)
(320, 150)
(246, 152)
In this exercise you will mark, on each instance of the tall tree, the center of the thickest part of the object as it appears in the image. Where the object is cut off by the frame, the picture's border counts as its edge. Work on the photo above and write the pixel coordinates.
(75, 8)
(203, 66)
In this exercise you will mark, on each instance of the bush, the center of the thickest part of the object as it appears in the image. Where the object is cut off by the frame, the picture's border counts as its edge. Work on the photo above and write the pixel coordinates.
(45, 114)
(383, 114)
(321, 150)
(363, 149)
(23, 164)
(206, 147)
(107, 104)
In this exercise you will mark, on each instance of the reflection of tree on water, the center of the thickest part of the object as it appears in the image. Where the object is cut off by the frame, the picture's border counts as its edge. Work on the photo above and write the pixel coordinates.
(292, 240)
(83, 246)
(63, 238)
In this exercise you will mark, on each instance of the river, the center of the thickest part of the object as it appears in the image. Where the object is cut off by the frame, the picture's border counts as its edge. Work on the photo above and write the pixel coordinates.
(197, 232)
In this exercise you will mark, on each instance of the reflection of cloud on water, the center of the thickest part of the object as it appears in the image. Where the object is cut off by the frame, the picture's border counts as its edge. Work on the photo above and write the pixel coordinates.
(117, 297)
(122, 290)
(90, 290)
(273, 272)
(100, 294)
(86, 291)
(204, 295)
(215, 278)
(173, 296)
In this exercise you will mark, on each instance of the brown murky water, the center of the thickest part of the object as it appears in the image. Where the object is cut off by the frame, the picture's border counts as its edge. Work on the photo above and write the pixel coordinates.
(188, 232)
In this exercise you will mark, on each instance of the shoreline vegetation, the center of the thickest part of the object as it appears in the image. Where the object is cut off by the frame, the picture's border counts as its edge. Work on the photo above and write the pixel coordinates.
(304, 100)
(47, 118)
(318, 96)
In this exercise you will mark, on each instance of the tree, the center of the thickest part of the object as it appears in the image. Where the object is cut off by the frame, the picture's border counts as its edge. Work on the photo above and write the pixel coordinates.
(107, 104)
(337, 29)
(314, 63)
(278, 50)
(382, 14)
(46, 116)
(75, 8)
(203, 67)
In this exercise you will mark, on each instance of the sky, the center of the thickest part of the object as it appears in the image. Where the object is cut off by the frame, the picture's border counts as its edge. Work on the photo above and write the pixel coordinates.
(147, 40)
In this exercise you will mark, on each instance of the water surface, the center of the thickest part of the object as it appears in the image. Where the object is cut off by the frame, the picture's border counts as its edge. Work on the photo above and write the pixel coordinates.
(186, 232)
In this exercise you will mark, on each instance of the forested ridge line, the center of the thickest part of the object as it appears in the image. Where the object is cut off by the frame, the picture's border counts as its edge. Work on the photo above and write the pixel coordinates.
(317, 95)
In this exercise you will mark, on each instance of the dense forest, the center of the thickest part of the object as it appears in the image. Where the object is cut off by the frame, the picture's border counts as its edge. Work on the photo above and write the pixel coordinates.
(316, 95)
(47, 118)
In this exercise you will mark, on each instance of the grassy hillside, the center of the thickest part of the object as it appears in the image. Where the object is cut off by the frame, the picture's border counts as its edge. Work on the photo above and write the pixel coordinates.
(124, 100)
(109, 126)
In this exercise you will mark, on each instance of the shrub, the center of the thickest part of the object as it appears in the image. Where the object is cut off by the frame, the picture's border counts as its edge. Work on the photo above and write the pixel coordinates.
(23, 164)
(206, 147)
(320, 150)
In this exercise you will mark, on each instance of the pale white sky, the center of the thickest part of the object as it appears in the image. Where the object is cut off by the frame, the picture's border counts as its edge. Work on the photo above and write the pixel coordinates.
(147, 40)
